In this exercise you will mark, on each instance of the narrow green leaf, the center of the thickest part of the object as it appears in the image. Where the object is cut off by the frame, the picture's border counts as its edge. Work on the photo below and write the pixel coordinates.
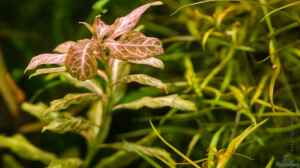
(10, 162)
(193, 143)
(191, 76)
(206, 36)
(280, 130)
(270, 163)
(242, 103)
(151, 161)
(65, 163)
(267, 15)
(173, 148)
(173, 101)
(157, 153)
(235, 143)
(99, 5)
(259, 88)
(122, 159)
(213, 148)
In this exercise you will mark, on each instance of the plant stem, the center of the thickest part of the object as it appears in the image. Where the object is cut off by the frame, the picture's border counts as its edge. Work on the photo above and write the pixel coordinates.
(93, 146)
(115, 70)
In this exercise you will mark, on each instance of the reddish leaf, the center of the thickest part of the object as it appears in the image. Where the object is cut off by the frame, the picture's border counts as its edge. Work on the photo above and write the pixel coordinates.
(81, 60)
(125, 24)
(134, 45)
(64, 47)
(101, 29)
(43, 59)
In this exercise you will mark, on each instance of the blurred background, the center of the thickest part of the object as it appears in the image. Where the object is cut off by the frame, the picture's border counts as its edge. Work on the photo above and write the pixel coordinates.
(197, 40)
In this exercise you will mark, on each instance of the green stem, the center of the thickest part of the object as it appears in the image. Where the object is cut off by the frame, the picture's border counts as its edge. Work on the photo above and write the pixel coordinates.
(104, 127)
(115, 71)
(103, 132)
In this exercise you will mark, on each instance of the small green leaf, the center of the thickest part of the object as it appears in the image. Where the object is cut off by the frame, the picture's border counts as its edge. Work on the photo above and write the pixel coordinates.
(34, 109)
(23, 148)
(91, 85)
(68, 123)
(173, 101)
(71, 99)
(39, 110)
(157, 153)
(47, 71)
(65, 123)
(60, 122)
(152, 61)
(65, 163)
(144, 80)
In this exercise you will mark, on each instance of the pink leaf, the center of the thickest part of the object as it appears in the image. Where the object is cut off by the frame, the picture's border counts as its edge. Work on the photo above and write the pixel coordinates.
(81, 60)
(125, 24)
(43, 59)
(100, 28)
(64, 47)
(134, 45)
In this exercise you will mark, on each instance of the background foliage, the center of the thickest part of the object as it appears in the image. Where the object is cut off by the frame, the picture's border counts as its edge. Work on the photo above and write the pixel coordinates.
(237, 61)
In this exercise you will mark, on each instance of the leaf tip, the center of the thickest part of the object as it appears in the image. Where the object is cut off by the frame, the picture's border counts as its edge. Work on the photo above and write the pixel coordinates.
(157, 3)
(165, 89)
(31, 76)
(26, 70)
(88, 26)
